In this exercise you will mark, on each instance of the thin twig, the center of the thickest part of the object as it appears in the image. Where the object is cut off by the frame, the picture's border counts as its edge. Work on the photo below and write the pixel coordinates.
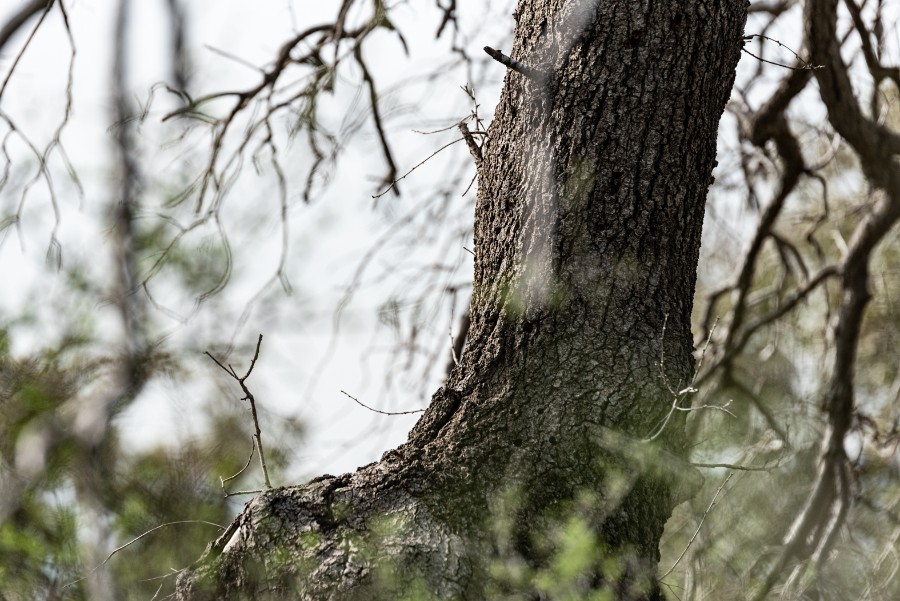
(235, 58)
(358, 402)
(759, 58)
(240, 471)
(732, 466)
(684, 392)
(723, 408)
(136, 539)
(376, 117)
(248, 396)
(700, 525)
(425, 160)
(805, 65)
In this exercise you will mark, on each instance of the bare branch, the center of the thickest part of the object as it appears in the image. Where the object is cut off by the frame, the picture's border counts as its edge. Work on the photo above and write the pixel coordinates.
(248, 396)
(361, 404)
(136, 539)
(699, 526)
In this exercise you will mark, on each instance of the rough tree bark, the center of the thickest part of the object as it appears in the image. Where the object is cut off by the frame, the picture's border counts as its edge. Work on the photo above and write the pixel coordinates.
(587, 231)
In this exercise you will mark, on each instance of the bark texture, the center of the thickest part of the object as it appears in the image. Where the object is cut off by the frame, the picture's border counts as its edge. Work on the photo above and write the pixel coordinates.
(587, 232)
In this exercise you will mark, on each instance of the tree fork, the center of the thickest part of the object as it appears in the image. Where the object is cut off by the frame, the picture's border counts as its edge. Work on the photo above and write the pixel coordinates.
(587, 232)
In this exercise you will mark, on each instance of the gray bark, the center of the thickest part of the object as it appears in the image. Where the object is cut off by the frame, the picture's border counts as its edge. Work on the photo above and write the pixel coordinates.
(587, 232)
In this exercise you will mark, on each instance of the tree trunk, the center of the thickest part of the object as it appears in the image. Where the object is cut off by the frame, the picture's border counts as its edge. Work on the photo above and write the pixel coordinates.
(587, 232)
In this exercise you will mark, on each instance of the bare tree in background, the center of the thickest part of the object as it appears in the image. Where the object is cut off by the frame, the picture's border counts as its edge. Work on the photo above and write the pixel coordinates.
(577, 414)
